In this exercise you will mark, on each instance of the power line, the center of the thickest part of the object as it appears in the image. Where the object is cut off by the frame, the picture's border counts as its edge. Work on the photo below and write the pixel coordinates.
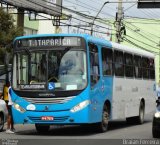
(76, 26)
(141, 29)
(78, 13)
(141, 34)
(134, 44)
(81, 14)
(89, 7)
(147, 23)
(149, 15)
(148, 19)
(100, 4)
(153, 14)
(87, 29)
(142, 42)
(129, 7)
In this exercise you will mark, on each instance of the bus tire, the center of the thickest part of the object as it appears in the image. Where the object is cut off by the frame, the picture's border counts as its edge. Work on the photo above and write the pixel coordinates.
(155, 132)
(1, 121)
(42, 128)
(140, 119)
(103, 125)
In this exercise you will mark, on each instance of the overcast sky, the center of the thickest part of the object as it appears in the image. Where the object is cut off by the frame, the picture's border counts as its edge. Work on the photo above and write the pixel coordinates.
(91, 7)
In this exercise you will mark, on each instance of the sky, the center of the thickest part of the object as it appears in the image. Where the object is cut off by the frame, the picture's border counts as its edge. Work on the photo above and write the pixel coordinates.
(91, 7)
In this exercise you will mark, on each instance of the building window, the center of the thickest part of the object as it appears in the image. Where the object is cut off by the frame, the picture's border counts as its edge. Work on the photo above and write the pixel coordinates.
(28, 31)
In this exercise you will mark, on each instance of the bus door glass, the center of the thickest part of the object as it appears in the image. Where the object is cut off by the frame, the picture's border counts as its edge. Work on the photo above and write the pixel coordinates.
(24, 67)
(95, 92)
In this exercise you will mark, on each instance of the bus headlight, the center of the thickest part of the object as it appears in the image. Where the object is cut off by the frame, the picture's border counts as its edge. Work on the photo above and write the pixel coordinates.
(157, 114)
(31, 107)
(19, 108)
(80, 106)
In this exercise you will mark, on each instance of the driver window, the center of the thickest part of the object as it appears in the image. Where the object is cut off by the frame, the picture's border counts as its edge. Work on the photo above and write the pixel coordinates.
(24, 63)
(94, 64)
(38, 67)
(53, 61)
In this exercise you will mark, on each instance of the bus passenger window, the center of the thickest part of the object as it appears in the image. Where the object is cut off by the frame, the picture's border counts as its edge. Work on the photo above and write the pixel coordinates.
(137, 67)
(119, 66)
(151, 68)
(94, 64)
(129, 65)
(145, 68)
(107, 61)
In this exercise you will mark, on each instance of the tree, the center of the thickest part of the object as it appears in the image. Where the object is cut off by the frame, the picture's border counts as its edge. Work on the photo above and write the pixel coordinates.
(8, 31)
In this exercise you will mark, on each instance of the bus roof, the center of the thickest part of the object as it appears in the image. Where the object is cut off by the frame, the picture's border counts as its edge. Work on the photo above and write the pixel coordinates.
(113, 45)
(50, 35)
(99, 41)
(134, 50)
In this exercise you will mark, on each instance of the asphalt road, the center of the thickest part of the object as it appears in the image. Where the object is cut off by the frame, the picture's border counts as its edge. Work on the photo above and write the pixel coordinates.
(118, 131)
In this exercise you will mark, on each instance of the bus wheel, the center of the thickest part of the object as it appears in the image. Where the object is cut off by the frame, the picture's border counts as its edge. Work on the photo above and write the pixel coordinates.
(1, 122)
(42, 128)
(155, 132)
(140, 118)
(103, 126)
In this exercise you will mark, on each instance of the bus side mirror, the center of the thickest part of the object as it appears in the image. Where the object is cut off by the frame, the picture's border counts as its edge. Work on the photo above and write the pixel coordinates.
(158, 101)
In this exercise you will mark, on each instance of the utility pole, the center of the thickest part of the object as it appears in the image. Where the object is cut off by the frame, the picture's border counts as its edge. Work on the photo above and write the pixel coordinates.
(119, 21)
(159, 60)
(159, 65)
(6, 64)
(20, 19)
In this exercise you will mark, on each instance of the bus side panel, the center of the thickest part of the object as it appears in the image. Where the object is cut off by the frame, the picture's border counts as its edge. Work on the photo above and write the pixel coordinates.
(108, 90)
(118, 100)
(127, 94)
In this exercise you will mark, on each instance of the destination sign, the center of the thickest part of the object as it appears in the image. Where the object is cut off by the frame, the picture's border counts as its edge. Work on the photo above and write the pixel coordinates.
(38, 86)
(49, 41)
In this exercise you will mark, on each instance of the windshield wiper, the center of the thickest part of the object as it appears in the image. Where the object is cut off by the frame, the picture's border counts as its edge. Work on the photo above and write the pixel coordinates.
(27, 50)
(67, 48)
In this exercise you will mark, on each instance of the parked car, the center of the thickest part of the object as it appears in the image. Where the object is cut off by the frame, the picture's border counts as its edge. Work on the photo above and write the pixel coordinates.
(3, 114)
(156, 121)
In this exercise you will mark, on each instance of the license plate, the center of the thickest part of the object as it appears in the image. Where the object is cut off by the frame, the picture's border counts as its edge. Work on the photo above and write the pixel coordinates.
(47, 118)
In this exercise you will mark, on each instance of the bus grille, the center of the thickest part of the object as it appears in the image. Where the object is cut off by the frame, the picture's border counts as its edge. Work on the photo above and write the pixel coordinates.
(48, 100)
(56, 119)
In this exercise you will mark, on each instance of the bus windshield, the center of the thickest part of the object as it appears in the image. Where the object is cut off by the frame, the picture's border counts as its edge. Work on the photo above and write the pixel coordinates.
(50, 70)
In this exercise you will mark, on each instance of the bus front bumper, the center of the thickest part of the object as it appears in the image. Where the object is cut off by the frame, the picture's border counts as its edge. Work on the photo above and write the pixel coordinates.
(58, 117)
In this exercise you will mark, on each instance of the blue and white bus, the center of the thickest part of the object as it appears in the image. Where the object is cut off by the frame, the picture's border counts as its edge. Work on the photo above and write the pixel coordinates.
(63, 79)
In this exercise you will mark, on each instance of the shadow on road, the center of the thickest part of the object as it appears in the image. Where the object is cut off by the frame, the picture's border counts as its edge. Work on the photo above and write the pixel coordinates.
(123, 124)
(76, 130)
(60, 131)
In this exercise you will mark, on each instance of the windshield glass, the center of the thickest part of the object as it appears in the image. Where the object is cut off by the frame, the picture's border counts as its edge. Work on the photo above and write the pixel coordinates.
(51, 70)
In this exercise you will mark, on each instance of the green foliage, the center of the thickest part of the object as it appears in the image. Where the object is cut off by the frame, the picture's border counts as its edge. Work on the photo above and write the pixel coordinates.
(8, 31)
(2, 54)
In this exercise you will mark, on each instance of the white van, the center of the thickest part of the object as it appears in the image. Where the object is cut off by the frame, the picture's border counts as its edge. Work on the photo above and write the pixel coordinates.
(3, 114)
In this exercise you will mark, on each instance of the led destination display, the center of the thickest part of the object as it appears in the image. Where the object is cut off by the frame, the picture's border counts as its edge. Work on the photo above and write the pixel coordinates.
(49, 41)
